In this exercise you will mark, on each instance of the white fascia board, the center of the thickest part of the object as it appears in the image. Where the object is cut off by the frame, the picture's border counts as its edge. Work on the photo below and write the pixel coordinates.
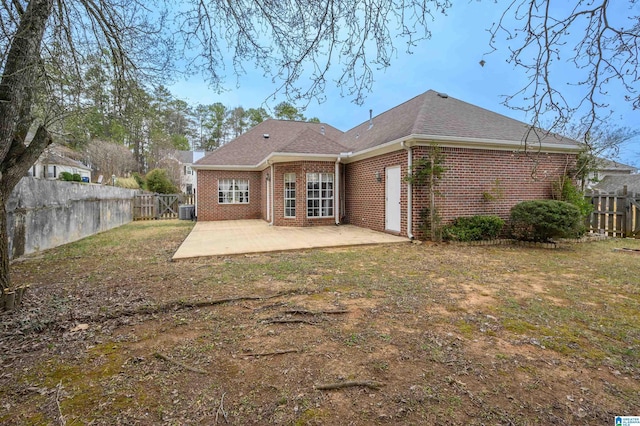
(395, 145)
(493, 144)
(284, 157)
(457, 142)
(385, 148)
(276, 157)
(243, 168)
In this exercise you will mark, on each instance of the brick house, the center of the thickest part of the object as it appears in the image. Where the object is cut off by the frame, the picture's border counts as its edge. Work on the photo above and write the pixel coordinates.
(304, 174)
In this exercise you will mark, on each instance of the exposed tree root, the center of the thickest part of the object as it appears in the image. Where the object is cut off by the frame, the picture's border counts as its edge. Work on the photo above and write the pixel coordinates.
(350, 384)
(306, 312)
(171, 306)
(178, 305)
(178, 363)
(285, 351)
(288, 321)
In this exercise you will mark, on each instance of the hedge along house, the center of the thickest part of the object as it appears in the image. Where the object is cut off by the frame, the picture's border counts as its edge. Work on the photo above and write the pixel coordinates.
(304, 174)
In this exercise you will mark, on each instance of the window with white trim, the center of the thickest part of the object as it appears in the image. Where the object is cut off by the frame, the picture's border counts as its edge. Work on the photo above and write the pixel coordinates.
(319, 194)
(289, 195)
(233, 191)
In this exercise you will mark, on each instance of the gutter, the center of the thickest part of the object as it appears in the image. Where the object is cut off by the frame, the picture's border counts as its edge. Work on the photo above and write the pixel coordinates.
(414, 139)
(409, 190)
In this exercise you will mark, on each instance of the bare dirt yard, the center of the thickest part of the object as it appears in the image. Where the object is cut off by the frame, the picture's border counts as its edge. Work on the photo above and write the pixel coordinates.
(113, 332)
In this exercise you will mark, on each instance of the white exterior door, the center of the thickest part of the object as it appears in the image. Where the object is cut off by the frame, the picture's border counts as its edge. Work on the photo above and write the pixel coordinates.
(392, 199)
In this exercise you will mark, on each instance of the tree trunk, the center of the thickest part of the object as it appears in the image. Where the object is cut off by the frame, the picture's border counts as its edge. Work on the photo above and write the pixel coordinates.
(16, 86)
(5, 282)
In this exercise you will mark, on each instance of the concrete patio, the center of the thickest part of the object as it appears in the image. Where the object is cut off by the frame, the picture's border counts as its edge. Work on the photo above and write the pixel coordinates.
(232, 237)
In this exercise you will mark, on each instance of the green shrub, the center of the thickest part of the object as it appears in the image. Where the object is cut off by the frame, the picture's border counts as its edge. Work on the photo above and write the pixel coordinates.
(543, 220)
(76, 177)
(474, 228)
(66, 176)
(567, 191)
(158, 181)
(140, 179)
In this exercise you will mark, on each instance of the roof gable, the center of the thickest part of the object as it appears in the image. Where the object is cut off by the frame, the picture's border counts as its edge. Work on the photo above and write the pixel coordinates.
(311, 142)
(436, 115)
(272, 136)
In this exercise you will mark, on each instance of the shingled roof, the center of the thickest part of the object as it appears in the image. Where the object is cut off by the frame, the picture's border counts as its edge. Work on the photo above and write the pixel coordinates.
(276, 136)
(615, 183)
(606, 165)
(429, 116)
(435, 114)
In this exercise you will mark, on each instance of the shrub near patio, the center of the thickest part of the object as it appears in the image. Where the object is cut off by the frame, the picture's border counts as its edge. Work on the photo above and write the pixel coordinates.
(474, 228)
(543, 220)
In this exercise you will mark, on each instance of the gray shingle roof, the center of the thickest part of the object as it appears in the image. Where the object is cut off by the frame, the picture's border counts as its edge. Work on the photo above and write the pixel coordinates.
(250, 148)
(605, 164)
(433, 114)
(184, 157)
(55, 157)
(613, 183)
(429, 114)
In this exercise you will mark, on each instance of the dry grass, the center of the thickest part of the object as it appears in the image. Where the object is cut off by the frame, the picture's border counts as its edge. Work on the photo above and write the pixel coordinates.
(455, 335)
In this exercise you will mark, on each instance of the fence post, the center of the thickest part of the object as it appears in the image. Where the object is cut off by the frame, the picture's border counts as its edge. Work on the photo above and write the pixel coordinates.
(628, 217)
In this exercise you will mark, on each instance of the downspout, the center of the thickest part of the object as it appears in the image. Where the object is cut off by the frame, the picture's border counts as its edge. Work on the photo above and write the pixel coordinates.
(409, 191)
(271, 184)
(195, 194)
(336, 192)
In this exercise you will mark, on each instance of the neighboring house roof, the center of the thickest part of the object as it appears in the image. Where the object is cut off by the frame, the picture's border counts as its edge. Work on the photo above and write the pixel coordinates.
(605, 165)
(275, 136)
(53, 156)
(614, 183)
(434, 115)
(184, 157)
(429, 117)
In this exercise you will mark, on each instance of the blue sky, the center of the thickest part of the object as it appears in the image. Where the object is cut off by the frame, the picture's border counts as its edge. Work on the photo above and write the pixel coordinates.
(448, 62)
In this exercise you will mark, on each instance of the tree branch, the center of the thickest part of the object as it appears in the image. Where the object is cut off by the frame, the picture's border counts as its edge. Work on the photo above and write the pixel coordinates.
(20, 158)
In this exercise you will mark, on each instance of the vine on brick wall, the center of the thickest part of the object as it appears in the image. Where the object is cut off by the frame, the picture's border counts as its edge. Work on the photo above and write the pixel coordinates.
(427, 172)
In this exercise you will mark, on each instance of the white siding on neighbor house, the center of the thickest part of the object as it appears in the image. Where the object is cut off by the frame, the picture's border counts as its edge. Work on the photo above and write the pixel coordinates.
(53, 171)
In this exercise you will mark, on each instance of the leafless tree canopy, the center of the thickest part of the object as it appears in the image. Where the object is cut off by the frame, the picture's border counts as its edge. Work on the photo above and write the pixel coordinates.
(597, 39)
(108, 158)
(296, 42)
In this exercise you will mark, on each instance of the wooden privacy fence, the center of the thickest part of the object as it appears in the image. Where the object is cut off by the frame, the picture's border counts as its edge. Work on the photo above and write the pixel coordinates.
(615, 214)
(159, 206)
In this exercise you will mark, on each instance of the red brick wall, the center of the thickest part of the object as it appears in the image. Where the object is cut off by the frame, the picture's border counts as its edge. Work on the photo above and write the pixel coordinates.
(507, 176)
(365, 198)
(300, 168)
(469, 173)
(210, 209)
(511, 177)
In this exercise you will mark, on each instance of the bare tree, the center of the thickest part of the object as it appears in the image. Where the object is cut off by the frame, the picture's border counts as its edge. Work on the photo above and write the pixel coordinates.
(301, 41)
(34, 34)
(109, 159)
(597, 39)
(602, 142)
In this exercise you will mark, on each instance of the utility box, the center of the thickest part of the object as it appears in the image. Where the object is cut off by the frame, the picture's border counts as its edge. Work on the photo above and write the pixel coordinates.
(186, 212)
